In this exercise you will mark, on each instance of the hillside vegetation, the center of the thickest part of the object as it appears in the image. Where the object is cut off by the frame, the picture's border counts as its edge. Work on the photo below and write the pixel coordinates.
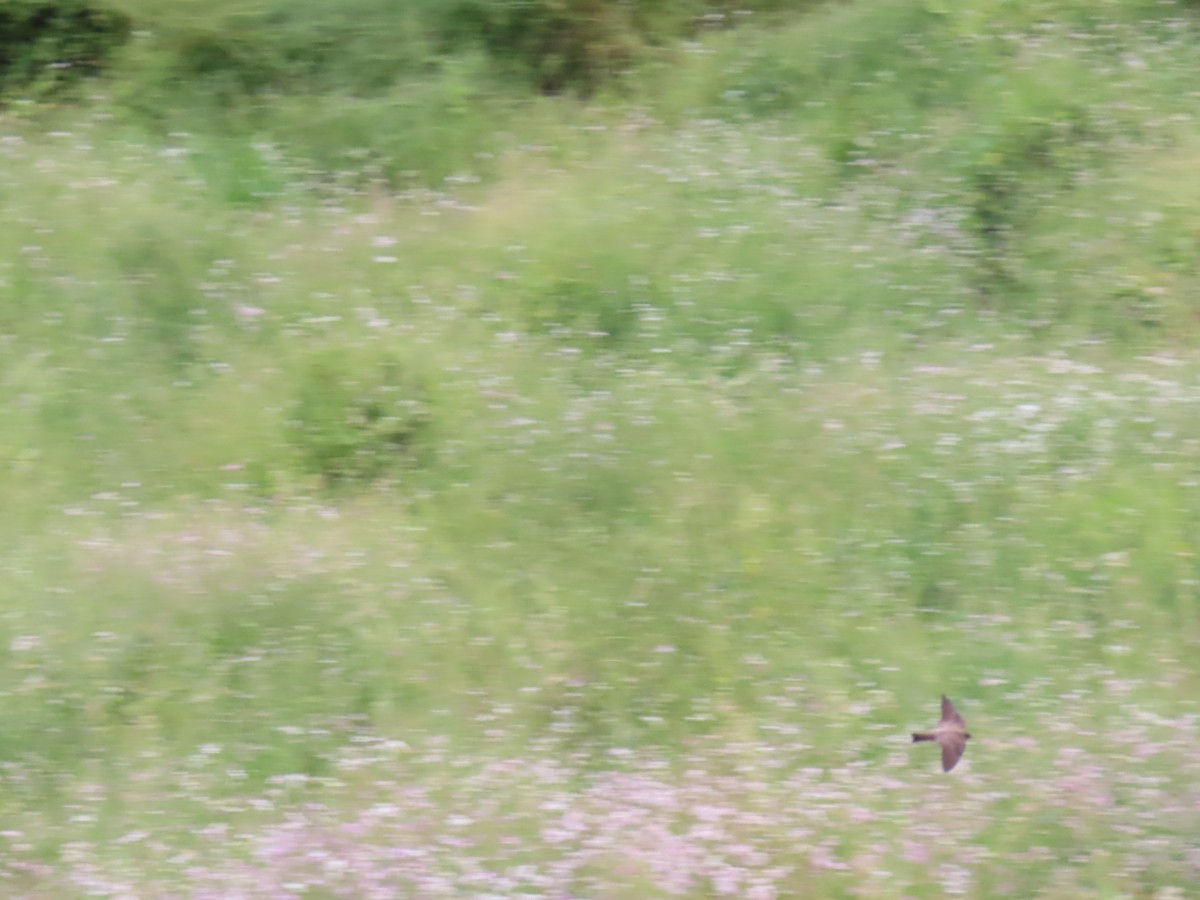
(562, 448)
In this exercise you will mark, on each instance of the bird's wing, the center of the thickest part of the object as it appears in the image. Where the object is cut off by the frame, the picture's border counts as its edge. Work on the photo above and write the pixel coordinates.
(953, 746)
(950, 714)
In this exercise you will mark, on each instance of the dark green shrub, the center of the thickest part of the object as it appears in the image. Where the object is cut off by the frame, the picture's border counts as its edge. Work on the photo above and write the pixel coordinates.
(301, 46)
(579, 44)
(358, 416)
(47, 44)
(555, 43)
(1029, 158)
(227, 64)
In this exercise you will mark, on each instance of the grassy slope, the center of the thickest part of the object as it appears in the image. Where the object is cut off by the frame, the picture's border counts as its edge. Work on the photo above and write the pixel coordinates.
(688, 454)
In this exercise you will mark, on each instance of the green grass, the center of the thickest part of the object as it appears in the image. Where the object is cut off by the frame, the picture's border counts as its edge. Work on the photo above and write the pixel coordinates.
(443, 449)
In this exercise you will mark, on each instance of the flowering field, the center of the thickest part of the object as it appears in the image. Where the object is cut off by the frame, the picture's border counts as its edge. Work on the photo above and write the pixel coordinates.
(365, 718)
(1103, 815)
(599, 521)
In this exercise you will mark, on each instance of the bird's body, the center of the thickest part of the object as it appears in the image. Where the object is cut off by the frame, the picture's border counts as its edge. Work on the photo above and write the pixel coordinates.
(951, 734)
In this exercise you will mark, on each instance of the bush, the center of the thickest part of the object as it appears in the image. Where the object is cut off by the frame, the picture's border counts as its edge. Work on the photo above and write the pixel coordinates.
(48, 44)
(358, 47)
(580, 44)
(358, 416)
(576, 43)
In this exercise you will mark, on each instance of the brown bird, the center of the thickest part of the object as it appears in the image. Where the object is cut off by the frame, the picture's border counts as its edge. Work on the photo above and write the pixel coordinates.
(951, 735)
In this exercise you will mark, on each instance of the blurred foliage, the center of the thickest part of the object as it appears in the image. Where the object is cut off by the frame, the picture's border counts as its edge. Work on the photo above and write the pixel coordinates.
(580, 44)
(811, 349)
(416, 92)
(555, 44)
(357, 416)
(240, 50)
(366, 46)
(45, 45)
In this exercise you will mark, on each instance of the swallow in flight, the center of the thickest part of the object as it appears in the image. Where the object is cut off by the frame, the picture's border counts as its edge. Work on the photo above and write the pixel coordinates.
(951, 735)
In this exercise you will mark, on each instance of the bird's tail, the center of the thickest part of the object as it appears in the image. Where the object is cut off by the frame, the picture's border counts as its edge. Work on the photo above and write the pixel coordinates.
(923, 736)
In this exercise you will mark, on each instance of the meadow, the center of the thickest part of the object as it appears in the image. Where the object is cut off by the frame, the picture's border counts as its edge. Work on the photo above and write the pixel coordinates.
(430, 469)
